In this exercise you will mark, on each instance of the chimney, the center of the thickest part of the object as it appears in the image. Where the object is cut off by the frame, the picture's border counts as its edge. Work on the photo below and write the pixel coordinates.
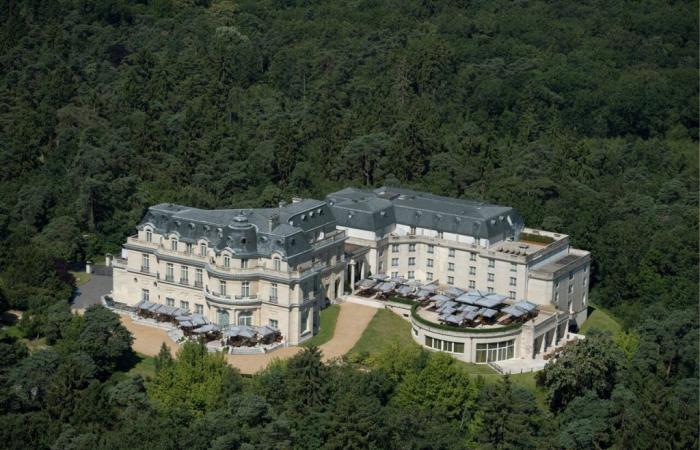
(273, 221)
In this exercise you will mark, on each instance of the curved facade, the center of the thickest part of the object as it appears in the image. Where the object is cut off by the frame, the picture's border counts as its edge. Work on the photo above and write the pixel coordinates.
(483, 345)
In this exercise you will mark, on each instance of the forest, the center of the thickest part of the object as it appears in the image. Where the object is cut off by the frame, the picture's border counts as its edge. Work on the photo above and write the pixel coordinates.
(581, 115)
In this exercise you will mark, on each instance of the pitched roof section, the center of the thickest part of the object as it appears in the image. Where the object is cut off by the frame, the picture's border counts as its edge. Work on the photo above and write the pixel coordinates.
(375, 210)
(251, 232)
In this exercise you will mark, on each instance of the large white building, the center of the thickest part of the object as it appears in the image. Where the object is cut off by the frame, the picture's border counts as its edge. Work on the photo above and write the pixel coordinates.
(271, 266)
(276, 266)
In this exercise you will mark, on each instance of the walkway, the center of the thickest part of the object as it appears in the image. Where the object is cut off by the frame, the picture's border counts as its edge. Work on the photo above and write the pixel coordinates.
(352, 321)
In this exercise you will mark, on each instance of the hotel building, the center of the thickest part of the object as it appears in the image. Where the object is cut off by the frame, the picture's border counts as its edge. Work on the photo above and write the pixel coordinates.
(271, 266)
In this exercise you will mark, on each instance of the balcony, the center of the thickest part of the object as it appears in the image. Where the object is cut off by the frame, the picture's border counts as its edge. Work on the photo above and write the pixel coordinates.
(170, 278)
(185, 281)
(145, 269)
(219, 297)
(198, 284)
(274, 299)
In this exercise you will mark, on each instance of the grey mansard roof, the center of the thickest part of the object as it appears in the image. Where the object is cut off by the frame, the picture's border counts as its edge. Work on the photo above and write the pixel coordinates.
(378, 209)
(287, 230)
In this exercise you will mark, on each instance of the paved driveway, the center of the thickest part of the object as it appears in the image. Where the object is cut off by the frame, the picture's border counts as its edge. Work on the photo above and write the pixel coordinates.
(90, 293)
(352, 321)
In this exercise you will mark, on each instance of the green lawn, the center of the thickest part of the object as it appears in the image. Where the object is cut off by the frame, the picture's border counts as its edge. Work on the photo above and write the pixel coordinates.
(384, 328)
(146, 367)
(80, 278)
(329, 317)
(601, 320)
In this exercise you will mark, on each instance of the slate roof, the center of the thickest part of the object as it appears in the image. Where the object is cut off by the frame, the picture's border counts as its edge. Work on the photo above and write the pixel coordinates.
(385, 206)
(247, 232)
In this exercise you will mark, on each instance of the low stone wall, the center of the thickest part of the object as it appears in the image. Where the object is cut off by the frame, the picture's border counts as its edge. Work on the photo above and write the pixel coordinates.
(365, 301)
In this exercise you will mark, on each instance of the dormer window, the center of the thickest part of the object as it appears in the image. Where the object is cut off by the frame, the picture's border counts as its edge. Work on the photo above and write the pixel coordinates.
(149, 236)
(277, 264)
(173, 244)
(227, 262)
(202, 249)
(244, 263)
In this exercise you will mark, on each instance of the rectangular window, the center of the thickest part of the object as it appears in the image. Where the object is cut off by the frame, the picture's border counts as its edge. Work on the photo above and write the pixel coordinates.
(472, 270)
(273, 292)
(202, 249)
(184, 305)
(227, 262)
(511, 295)
(149, 236)
(492, 263)
(451, 253)
(394, 248)
(394, 262)
(495, 351)
(440, 234)
(472, 256)
(472, 284)
(447, 346)
(491, 277)
(189, 249)
(412, 261)
(170, 301)
(489, 290)
(169, 272)
(428, 341)
(459, 347)
(451, 267)
(450, 280)
(198, 277)
(513, 281)
(222, 288)
(244, 264)
(381, 266)
(245, 318)
(394, 274)
(145, 263)
(274, 323)
(411, 247)
(412, 230)
(199, 309)
(245, 289)
(184, 275)
(430, 262)
(145, 295)
(429, 276)
(431, 249)
(173, 245)
(411, 274)
(513, 267)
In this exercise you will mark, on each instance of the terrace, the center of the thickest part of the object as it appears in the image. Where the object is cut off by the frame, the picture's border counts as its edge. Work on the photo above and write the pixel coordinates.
(451, 308)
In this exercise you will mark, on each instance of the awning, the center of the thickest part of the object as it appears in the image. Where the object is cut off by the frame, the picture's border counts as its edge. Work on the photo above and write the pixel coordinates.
(454, 291)
(386, 287)
(379, 277)
(366, 283)
(440, 297)
(487, 312)
(422, 293)
(208, 328)
(526, 305)
(430, 287)
(405, 290)
(514, 311)
(266, 331)
(240, 331)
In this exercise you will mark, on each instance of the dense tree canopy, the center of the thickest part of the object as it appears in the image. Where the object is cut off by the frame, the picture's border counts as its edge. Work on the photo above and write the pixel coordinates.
(582, 115)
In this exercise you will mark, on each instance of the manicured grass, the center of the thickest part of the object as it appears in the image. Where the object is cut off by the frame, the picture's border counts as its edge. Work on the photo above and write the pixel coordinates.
(385, 328)
(80, 278)
(601, 320)
(146, 367)
(329, 317)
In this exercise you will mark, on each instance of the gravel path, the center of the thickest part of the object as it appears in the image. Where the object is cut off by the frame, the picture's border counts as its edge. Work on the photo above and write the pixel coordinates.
(352, 321)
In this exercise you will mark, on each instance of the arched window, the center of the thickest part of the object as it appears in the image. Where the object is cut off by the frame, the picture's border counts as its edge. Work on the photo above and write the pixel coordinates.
(222, 317)
(245, 318)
